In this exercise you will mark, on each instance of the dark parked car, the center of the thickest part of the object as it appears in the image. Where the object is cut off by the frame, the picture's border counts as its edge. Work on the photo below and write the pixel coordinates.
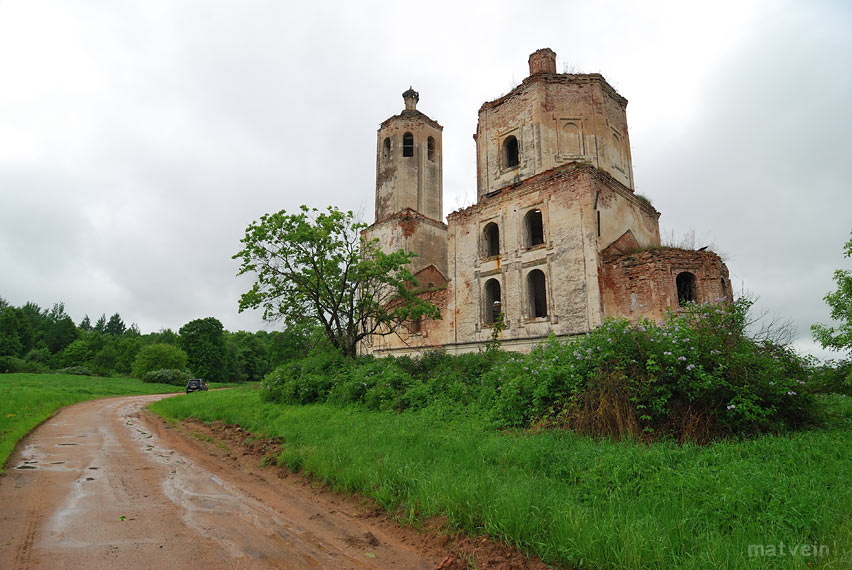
(196, 384)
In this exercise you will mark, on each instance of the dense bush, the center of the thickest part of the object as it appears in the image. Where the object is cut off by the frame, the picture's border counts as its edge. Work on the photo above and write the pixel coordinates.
(694, 376)
(171, 376)
(10, 364)
(832, 377)
(387, 383)
(158, 357)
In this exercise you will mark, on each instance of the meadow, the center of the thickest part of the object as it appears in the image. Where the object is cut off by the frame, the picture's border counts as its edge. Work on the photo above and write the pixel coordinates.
(769, 501)
(26, 400)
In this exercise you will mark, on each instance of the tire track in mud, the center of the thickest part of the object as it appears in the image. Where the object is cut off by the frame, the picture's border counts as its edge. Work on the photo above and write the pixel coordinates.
(99, 486)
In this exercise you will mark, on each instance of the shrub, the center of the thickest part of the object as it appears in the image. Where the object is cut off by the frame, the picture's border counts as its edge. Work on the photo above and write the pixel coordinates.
(695, 375)
(304, 381)
(158, 356)
(11, 364)
(832, 377)
(171, 376)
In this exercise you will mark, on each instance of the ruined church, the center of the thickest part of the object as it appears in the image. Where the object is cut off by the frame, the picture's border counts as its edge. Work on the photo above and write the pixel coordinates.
(557, 240)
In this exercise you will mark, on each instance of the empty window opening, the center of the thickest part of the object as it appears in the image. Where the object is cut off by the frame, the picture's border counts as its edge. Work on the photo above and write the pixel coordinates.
(537, 292)
(407, 144)
(685, 288)
(534, 228)
(599, 223)
(430, 149)
(491, 235)
(510, 152)
(386, 148)
(415, 326)
(493, 302)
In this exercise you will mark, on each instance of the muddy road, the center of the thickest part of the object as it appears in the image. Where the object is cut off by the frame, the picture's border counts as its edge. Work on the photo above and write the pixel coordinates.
(104, 484)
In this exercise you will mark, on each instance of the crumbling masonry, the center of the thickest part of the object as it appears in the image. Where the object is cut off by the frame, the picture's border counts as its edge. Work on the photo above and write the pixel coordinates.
(557, 240)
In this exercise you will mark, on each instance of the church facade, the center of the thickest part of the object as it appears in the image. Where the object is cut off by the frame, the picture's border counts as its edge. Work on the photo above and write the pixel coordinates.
(557, 241)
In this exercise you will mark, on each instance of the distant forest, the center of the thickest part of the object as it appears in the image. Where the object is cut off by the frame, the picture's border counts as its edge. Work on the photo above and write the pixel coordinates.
(33, 339)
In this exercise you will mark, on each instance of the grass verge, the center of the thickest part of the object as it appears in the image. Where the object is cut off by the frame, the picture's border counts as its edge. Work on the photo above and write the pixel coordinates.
(571, 499)
(26, 400)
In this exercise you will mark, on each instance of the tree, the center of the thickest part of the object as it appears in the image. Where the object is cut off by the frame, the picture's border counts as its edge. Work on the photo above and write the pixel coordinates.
(158, 357)
(100, 324)
(840, 301)
(315, 265)
(115, 326)
(204, 343)
(85, 324)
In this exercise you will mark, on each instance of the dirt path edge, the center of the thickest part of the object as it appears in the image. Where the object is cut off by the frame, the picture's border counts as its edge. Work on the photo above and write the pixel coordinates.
(218, 446)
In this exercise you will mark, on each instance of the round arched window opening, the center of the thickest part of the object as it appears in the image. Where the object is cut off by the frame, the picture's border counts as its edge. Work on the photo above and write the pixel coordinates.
(430, 149)
(407, 144)
(685, 283)
(511, 155)
(493, 303)
(534, 228)
(386, 148)
(491, 240)
(537, 293)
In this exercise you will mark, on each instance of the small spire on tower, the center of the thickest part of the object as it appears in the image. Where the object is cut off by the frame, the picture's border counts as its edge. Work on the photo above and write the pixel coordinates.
(411, 97)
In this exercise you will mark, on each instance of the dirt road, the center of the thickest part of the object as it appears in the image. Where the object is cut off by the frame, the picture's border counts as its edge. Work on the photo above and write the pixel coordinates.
(103, 485)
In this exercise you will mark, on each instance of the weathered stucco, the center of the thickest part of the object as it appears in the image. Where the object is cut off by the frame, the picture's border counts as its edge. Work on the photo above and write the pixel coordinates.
(556, 243)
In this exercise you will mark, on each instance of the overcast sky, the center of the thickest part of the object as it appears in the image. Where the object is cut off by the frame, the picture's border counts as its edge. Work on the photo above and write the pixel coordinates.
(139, 139)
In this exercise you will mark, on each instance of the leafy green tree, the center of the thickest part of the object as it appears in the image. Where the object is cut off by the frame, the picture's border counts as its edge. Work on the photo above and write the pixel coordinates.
(105, 360)
(10, 337)
(314, 266)
(204, 343)
(158, 357)
(165, 336)
(60, 334)
(115, 326)
(840, 301)
(127, 348)
(85, 324)
(249, 357)
(78, 353)
(100, 324)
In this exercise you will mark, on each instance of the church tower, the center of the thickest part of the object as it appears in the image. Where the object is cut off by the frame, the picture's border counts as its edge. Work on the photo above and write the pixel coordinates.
(409, 191)
(552, 119)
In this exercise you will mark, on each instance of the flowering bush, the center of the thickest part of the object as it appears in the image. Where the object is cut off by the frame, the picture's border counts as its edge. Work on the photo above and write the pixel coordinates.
(171, 376)
(693, 375)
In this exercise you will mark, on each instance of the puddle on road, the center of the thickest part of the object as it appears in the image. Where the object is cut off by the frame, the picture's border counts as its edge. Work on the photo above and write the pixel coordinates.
(244, 526)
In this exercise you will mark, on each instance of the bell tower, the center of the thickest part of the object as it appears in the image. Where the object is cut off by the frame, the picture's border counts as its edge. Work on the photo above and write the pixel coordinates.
(409, 188)
(408, 163)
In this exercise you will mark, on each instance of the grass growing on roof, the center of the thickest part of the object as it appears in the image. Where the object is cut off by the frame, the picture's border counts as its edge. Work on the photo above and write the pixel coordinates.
(572, 499)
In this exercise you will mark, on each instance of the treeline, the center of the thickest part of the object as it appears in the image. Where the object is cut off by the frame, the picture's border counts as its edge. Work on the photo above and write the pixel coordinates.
(33, 339)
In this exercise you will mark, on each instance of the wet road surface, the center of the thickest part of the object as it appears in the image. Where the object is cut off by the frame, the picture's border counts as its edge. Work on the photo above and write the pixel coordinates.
(101, 485)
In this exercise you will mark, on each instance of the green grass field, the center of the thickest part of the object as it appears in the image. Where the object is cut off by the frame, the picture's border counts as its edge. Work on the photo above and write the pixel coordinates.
(26, 400)
(576, 500)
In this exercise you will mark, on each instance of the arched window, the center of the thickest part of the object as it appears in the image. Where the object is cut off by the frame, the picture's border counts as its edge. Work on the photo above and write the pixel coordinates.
(386, 148)
(510, 152)
(685, 287)
(534, 228)
(407, 144)
(536, 293)
(491, 239)
(430, 149)
(493, 302)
